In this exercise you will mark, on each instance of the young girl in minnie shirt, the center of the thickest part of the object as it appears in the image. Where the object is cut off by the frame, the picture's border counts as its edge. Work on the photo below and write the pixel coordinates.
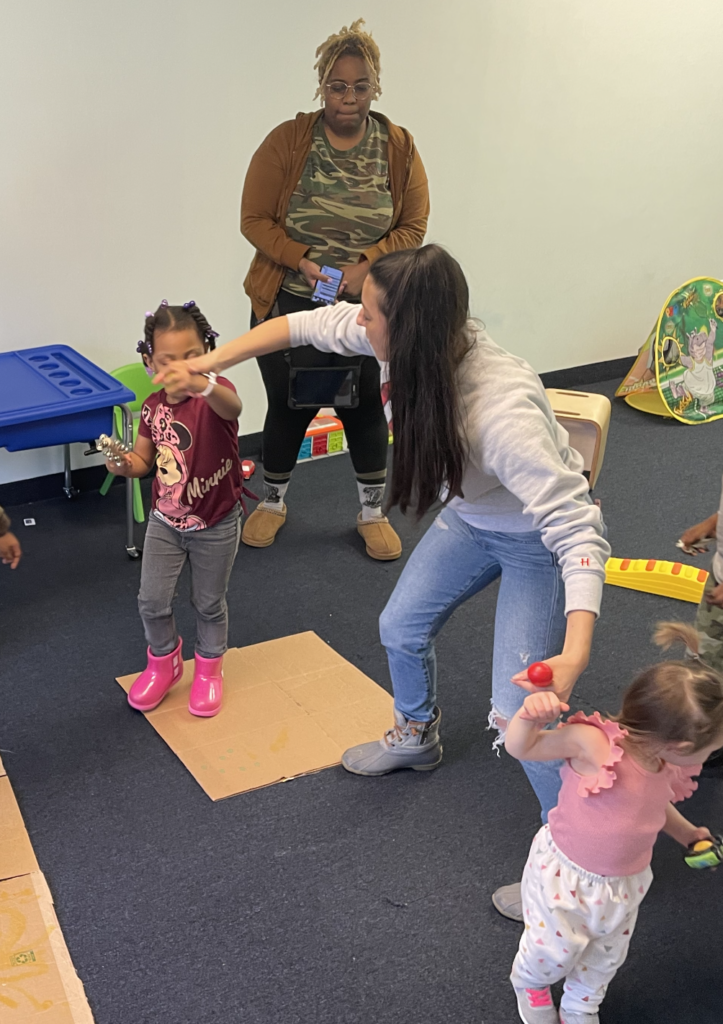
(589, 867)
(192, 438)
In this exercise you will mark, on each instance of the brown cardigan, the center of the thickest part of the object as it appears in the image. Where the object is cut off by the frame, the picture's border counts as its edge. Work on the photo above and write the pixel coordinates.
(272, 176)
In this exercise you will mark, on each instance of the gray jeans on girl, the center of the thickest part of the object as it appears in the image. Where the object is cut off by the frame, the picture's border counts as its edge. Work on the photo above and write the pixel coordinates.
(210, 554)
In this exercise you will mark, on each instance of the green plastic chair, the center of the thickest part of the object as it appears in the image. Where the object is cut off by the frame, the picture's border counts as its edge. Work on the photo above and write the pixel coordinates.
(134, 376)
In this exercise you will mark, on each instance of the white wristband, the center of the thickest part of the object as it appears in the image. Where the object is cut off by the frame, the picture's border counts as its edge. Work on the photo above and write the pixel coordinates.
(212, 377)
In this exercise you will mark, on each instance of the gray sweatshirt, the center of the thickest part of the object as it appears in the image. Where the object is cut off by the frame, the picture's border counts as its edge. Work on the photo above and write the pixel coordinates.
(521, 472)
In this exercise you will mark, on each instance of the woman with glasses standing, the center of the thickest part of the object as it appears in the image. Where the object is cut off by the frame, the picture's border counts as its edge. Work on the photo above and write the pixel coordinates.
(336, 188)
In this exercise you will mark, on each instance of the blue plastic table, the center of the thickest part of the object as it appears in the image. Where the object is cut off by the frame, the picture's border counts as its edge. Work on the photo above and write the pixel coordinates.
(53, 395)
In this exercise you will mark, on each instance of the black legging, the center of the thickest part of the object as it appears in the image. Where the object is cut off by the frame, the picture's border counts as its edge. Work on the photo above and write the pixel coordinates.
(366, 427)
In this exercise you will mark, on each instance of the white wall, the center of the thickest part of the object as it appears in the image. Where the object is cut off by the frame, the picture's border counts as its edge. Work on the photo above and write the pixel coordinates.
(573, 148)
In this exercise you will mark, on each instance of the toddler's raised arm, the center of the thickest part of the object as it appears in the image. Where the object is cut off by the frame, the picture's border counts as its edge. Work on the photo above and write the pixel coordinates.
(528, 739)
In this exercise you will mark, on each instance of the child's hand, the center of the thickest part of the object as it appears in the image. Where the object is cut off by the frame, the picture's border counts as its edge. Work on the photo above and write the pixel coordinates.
(543, 707)
(694, 835)
(10, 550)
(182, 381)
(122, 469)
(204, 364)
(694, 534)
(715, 596)
(179, 381)
(185, 376)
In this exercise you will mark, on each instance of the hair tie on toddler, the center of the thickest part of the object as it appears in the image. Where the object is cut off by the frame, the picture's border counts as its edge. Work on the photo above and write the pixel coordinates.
(212, 334)
(189, 305)
(148, 313)
(141, 347)
(164, 302)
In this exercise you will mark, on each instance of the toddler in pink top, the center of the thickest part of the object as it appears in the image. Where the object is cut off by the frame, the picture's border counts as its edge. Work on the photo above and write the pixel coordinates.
(589, 867)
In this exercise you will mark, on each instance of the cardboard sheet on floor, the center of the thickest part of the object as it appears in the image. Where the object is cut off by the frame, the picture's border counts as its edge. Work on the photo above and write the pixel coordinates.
(38, 983)
(16, 852)
(291, 707)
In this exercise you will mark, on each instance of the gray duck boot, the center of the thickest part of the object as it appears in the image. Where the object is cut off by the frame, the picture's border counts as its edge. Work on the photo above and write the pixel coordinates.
(409, 744)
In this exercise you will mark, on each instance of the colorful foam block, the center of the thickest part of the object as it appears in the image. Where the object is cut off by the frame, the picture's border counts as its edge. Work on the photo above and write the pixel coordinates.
(325, 436)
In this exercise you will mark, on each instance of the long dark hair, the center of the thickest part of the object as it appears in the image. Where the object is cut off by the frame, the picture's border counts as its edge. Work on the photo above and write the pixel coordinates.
(425, 299)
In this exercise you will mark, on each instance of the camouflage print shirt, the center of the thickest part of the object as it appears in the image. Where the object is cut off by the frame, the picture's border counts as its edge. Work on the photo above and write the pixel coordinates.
(342, 203)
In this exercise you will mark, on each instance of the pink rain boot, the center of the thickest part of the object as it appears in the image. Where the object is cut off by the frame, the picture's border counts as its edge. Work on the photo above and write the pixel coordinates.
(207, 687)
(153, 684)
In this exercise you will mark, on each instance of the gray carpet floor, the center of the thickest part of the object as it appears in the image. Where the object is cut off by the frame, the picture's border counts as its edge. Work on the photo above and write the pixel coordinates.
(330, 898)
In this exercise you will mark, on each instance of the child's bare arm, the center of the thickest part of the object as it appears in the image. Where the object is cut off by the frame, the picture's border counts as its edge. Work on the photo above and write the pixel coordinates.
(138, 463)
(527, 739)
(705, 529)
(682, 830)
(224, 402)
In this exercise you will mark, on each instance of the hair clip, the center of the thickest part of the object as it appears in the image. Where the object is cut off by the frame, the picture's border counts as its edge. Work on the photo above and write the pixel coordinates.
(189, 305)
(141, 347)
(148, 313)
(164, 302)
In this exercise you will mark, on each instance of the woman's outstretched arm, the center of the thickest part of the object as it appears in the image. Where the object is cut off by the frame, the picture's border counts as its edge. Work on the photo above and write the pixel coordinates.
(269, 336)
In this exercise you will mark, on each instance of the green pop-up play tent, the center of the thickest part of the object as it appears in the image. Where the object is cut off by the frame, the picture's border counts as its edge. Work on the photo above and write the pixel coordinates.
(679, 369)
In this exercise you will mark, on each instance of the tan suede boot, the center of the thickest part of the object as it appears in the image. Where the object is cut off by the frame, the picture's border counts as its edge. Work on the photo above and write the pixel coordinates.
(261, 527)
(380, 538)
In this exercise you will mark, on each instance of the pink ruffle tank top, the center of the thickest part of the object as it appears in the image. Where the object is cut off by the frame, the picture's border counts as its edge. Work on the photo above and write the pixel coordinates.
(607, 823)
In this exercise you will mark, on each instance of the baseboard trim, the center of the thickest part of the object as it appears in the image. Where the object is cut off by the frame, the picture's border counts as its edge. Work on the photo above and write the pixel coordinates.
(22, 492)
(39, 488)
(590, 373)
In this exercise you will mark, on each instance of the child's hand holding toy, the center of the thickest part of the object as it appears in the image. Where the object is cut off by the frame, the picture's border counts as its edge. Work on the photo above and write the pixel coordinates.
(187, 376)
(705, 850)
(698, 538)
(697, 834)
(122, 468)
(180, 384)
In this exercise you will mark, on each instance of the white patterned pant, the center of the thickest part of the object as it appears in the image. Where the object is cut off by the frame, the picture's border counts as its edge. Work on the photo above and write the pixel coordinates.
(577, 925)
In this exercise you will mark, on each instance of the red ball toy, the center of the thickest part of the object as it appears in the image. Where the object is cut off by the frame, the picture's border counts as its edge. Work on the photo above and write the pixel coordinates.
(540, 674)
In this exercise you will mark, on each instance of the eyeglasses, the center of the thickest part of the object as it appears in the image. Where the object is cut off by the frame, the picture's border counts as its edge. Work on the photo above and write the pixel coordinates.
(340, 89)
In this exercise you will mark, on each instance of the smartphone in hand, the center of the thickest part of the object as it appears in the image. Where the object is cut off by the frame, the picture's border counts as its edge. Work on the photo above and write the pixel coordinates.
(327, 291)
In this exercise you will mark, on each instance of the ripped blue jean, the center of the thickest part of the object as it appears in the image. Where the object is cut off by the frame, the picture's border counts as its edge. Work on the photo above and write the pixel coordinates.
(453, 562)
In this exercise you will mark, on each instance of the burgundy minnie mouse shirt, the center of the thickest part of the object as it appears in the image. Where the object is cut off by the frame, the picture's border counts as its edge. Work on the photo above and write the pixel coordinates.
(198, 470)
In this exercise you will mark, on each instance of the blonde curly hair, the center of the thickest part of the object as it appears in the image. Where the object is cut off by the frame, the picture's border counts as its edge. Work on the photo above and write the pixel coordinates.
(349, 42)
